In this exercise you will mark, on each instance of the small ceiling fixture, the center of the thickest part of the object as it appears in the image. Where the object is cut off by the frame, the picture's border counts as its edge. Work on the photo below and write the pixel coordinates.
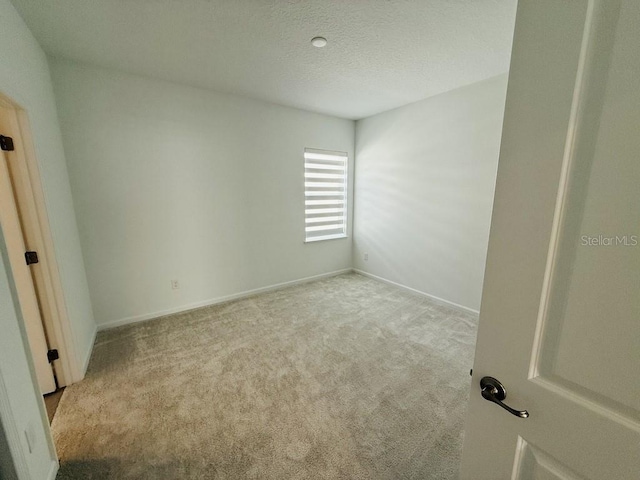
(318, 42)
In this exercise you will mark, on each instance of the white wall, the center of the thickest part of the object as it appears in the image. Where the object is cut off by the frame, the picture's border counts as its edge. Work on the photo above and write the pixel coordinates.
(21, 407)
(425, 176)
(7, 468)
(173, 182)
(24, 77)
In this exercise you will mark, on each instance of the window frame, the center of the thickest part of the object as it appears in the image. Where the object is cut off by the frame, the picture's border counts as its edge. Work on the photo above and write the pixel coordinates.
(345, 202)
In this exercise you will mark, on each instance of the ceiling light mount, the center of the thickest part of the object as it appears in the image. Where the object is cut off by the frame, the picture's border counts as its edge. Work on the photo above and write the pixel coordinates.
(319, 42)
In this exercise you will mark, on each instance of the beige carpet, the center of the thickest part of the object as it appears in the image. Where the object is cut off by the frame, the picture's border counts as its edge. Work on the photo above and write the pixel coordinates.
(345, 378)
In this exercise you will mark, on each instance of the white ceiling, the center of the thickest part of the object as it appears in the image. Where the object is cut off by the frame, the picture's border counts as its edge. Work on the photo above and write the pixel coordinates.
(381, 53)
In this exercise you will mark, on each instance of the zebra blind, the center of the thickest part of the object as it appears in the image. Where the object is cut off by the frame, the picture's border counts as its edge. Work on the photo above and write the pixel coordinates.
(325, 195)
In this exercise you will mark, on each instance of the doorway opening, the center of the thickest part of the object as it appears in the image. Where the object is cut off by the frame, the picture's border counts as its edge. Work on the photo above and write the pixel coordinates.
(25, 224)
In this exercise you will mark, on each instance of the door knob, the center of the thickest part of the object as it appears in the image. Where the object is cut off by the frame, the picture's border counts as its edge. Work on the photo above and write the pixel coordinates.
(495, 392)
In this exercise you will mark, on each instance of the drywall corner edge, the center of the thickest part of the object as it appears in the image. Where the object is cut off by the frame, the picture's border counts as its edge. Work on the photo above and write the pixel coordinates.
(87, 355)
(419, 292)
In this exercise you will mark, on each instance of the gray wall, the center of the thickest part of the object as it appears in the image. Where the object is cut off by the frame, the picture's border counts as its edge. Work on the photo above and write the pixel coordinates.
(173, 182)
(425, 176)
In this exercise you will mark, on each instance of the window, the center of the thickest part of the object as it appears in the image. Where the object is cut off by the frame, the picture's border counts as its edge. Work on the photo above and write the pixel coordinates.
(325, 195)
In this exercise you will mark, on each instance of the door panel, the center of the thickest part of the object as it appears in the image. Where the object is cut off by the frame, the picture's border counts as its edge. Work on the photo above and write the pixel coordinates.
(561, 301)
(534, 464)
(598, 257)
(10, 221)
(596, 266)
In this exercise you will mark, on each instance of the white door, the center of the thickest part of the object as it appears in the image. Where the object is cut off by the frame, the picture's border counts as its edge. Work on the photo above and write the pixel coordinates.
(11, 228)
(560, 316)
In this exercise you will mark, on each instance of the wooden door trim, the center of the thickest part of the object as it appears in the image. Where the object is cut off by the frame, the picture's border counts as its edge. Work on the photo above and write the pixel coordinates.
(14, 122)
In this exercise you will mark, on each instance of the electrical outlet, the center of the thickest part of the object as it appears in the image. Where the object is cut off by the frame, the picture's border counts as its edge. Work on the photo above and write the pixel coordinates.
(175, 285)
(366, 257)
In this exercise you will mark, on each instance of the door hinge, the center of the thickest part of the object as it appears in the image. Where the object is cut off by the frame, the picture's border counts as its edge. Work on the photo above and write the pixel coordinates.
(6, 143)
(53, 355)
(31, 257)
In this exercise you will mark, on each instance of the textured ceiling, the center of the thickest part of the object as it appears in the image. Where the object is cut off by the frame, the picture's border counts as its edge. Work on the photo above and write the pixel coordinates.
(381, 53)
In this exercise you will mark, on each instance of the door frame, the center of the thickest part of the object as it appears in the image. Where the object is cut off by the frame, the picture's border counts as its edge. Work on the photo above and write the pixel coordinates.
(30, 198)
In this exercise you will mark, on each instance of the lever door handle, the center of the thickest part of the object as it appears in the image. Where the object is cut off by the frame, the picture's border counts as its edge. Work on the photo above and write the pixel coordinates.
(495, 392)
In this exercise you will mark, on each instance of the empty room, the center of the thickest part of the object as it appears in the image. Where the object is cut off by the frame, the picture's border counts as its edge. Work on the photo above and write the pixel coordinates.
(319, 239)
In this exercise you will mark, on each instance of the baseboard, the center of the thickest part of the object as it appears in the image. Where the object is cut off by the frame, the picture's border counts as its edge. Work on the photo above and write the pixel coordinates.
(429, 296)
(53, 471)
(214, 301)
(87, 356)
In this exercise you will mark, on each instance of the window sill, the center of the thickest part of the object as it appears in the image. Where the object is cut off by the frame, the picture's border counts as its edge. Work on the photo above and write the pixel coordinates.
(325, 237)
